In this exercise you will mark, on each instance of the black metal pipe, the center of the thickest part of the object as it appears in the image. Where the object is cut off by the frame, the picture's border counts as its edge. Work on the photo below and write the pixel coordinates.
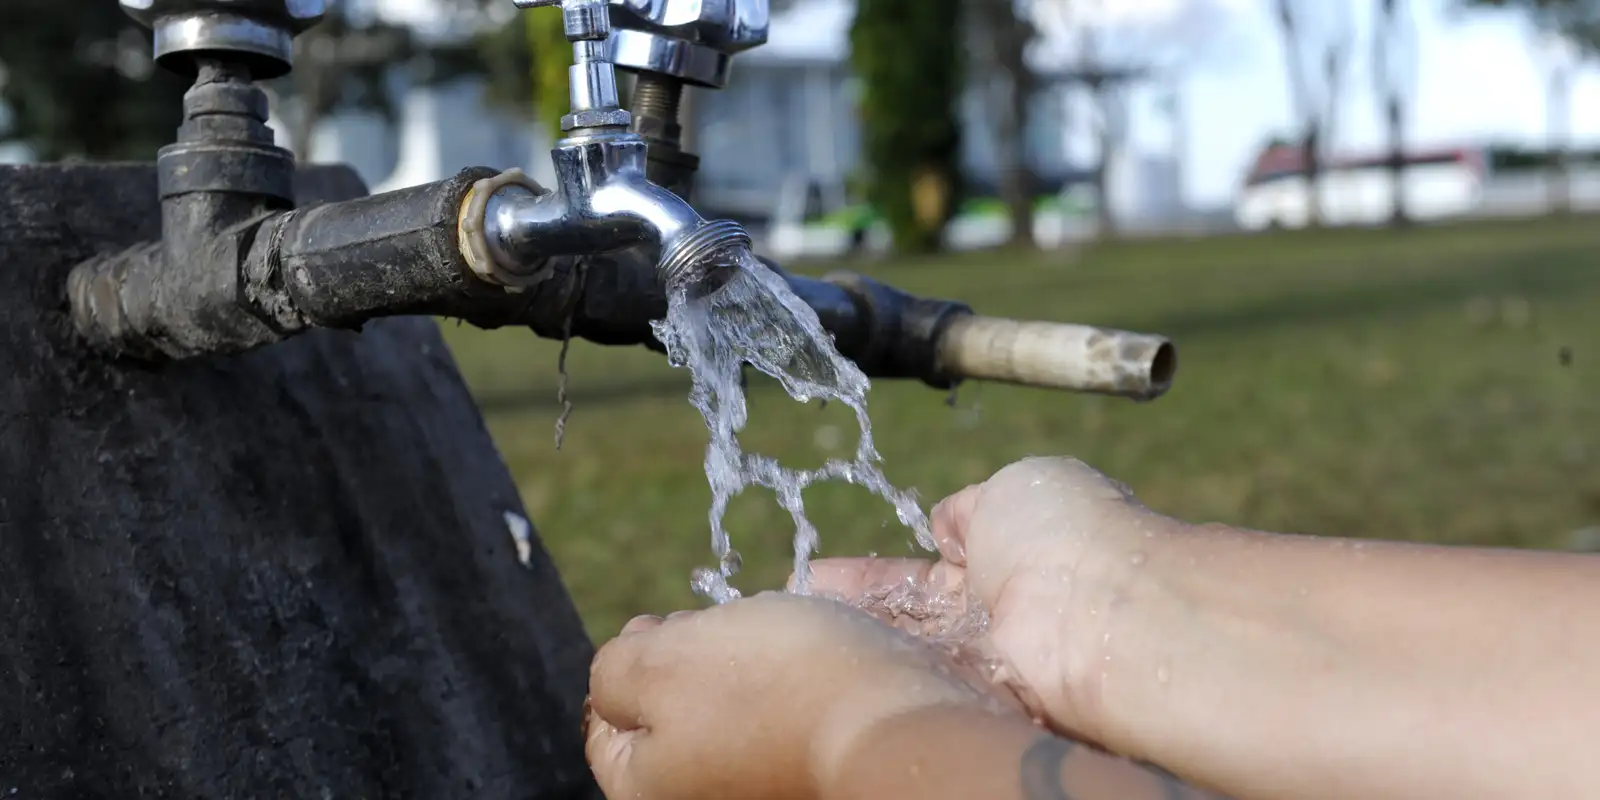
(889, 333)
(338, 265)
(217, 182)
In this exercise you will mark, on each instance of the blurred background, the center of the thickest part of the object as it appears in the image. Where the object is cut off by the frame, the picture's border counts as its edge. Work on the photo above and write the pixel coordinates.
(1367, 225)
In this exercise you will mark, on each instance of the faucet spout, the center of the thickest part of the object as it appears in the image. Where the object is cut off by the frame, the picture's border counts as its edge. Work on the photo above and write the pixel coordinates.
(601, 203)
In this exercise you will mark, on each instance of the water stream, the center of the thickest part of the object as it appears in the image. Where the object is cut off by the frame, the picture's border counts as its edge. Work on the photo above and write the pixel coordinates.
(756, 319)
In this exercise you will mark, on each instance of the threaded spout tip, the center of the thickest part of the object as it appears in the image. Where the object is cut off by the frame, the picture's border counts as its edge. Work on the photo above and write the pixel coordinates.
(691, 260)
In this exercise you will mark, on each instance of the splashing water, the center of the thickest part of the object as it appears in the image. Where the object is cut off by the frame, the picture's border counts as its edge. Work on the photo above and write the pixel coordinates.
(754, 318)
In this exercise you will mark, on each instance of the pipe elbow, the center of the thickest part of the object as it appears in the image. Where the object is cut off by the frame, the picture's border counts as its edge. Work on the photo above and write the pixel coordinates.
(660, 217)
(523, 226)
(688, 243)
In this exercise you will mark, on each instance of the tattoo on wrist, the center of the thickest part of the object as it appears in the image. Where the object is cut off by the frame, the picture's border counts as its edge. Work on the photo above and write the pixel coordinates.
(1041, 768)
(1174, 788)
(1045, 759)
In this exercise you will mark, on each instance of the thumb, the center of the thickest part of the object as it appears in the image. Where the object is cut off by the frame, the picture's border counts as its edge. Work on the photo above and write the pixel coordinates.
(950, 520)
(1046, 514)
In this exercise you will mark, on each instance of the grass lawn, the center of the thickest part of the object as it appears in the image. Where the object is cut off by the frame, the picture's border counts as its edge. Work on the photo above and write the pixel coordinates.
(1439, 384)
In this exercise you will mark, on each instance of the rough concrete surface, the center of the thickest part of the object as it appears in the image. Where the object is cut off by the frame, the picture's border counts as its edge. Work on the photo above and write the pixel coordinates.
(281, 574)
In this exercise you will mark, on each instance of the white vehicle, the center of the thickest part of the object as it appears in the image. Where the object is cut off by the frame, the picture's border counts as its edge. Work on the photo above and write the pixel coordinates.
(1437, 185)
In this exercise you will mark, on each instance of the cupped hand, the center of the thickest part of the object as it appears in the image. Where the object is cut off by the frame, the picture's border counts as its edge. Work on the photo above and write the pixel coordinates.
(759, 698)
(1044, 545)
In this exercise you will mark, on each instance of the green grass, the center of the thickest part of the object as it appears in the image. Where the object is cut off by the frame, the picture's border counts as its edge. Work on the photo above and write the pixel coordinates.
(1391, 384)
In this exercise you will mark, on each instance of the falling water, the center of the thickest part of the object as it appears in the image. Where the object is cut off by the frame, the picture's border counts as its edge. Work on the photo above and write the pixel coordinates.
(754, 318)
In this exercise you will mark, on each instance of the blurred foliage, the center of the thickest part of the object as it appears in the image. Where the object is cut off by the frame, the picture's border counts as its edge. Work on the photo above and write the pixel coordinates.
(909, 103)
(1577, 20)
(525, 64)
(78, 82)
(339, 64)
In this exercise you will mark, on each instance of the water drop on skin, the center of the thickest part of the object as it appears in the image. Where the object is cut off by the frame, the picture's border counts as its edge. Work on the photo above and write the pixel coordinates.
(1163, 675)
(1137, 559)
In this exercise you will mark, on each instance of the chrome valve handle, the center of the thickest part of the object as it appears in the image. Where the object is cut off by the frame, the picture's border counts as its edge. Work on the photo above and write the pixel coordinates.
(256, 33)
(691, 40)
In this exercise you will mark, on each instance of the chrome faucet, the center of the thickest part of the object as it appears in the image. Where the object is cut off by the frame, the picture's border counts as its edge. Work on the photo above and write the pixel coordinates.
(602, 201)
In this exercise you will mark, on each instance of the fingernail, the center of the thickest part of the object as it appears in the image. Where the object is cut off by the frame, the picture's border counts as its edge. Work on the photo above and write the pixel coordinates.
(640, 623)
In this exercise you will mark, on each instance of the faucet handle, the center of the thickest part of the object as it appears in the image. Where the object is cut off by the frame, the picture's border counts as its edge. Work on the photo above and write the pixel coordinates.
(592, 78)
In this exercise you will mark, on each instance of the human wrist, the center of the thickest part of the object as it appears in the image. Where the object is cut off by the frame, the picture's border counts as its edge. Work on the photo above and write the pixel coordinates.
(1118, 601)
(1169, 634)
(931, 751)
(852, 719)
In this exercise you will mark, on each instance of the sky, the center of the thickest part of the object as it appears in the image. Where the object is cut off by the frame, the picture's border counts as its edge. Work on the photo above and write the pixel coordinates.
(1478, 78)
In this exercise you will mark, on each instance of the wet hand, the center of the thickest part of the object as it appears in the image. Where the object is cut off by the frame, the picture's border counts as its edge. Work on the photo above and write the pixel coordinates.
(760, 698)
(1044, 545)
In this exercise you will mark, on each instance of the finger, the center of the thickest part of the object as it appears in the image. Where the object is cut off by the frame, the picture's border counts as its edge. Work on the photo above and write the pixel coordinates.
(643, 622)
(614, 757)
(950, 520)
(643, 764)
(853, 578)
(627, 672)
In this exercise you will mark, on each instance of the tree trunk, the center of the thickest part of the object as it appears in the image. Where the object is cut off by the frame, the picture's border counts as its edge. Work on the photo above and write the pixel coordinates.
(1311, 154)
(313, 83)
(1008, 96)
(1015, 176)
(1398, 215)
(1558, 104)
(1106, 216)
(1389, 71)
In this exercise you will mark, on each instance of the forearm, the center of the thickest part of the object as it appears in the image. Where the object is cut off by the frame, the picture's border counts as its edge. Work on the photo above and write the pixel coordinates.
(1286, 666)
(960, 753)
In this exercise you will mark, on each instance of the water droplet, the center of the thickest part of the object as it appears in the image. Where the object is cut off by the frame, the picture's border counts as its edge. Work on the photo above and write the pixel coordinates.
(1136, 559)
(1163, 674)
(732, 563)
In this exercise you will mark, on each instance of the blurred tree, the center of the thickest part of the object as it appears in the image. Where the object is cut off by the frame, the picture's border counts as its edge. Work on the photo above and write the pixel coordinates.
(526, 63)
(908, 56)
(77, 80)
(1107, 47)
(999, 42)
(1316, 49)
(1394, 68)
(1566, 33)
(1575, 20)
(342, 63)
